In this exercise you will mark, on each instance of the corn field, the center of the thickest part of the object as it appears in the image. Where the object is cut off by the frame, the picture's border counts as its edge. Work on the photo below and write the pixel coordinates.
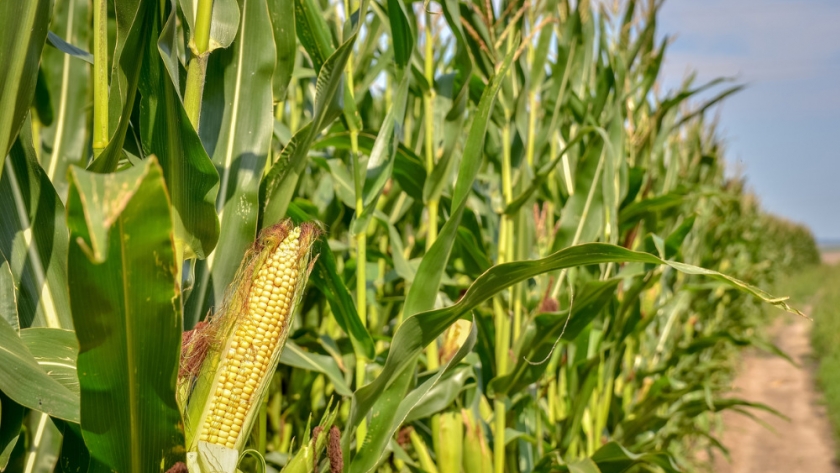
(298, 235)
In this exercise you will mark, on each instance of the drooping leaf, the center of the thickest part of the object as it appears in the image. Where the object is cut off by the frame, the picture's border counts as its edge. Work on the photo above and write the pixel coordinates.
(417, 331)
(328, 280)
(33, 238)
(26, 383)
(613, 458)
(124, 298)
(66, 46)
(56, 351)
(293, 355)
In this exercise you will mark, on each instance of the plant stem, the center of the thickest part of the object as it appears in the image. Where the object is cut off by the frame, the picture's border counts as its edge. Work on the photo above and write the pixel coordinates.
(429, 115)
(198, 64)
(432, 354)
(100, 76)
(361, 237)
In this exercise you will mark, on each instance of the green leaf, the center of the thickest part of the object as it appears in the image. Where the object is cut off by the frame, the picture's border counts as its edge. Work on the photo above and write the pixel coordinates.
(423, 292)
(63, 45)
(442, 394)
(279, 183)
(23, 31)
(408, 170)
(613, 458)
(26, 383)
(675, 240)
(584, 466)
(394, 406)
(293, 355)
(56, 351)
(34, 239)
(634, 212)
(236, 128)
(302, 461)
(381, 161)
(313, 32)
(418, 330)
(401, 33)
(43, 443)
(126, 308)
(224, 22)
(8, 295)
(582, 217)
(328, 280)
(282, 13)
(69, 85)
(166, 132)
(74, 456)
(540, 340)
(11, 415)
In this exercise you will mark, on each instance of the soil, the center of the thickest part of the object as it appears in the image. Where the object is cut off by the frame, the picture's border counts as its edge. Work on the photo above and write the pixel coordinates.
(831, 257)
(804, 443)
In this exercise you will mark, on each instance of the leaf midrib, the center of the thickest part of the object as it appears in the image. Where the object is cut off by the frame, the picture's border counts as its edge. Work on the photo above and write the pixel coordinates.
(134, 437)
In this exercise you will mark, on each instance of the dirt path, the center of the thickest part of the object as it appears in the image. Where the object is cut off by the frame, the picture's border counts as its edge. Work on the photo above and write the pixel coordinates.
(803, 444)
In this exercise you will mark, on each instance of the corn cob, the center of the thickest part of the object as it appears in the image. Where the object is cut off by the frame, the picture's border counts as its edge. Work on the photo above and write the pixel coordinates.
(247, 337)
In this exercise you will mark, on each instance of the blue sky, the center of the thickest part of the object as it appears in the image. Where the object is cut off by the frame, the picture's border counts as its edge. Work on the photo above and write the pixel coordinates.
(783, 131)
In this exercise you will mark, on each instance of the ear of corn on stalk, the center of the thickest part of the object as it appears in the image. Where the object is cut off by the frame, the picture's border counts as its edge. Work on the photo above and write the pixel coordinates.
(227, 363)
(477, 457)
(451, 443)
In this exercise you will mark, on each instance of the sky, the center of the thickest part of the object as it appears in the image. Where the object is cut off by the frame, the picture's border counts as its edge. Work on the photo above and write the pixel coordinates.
(783, 131)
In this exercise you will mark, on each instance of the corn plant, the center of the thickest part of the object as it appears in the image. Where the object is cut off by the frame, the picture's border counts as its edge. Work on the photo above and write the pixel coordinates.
(291, 235)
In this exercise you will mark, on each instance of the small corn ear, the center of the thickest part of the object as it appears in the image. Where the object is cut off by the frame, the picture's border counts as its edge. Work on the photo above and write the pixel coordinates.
(242, 344)
(477, 455)
(451, 442)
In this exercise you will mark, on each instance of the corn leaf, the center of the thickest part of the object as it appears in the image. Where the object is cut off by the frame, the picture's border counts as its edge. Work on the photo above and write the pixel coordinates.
(124, 297)
(34, 239)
